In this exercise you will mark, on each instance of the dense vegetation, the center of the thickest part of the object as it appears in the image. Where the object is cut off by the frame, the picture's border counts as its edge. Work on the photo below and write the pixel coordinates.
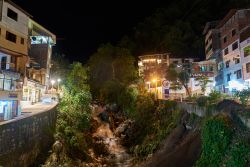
(224, 143)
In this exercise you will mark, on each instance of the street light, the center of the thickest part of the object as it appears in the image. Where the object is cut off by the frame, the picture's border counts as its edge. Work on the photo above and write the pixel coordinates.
(52, 83)
(58, 81)
(156, 94)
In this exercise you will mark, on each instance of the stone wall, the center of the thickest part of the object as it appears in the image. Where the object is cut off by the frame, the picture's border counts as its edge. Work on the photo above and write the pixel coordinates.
(22, 141)
(192, 108)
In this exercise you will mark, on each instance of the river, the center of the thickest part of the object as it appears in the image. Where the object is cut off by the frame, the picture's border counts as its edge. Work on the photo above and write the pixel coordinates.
(118, 154)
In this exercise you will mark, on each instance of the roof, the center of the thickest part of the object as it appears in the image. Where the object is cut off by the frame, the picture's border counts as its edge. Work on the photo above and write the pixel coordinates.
(18, 7)
(210, 25)
(226, 18)
(245, 34)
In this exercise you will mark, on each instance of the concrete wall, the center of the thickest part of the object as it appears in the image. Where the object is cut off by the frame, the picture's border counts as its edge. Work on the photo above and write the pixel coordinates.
(22, 141)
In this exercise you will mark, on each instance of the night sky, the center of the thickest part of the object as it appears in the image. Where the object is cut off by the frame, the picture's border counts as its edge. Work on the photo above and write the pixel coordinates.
(82, 26)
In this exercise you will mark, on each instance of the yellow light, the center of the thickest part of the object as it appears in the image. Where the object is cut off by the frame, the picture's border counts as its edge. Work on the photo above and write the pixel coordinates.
(154, 80)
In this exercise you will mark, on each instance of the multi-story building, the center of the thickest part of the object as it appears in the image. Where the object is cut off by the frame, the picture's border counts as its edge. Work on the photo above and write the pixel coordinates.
(206, 68)
(213, 52)
(38, 72)
(245, 55)
(13, 57)
(230, 27)
(153, 68)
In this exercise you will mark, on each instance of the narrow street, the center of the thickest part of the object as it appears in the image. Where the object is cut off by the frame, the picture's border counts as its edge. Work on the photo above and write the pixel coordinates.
(31, 110)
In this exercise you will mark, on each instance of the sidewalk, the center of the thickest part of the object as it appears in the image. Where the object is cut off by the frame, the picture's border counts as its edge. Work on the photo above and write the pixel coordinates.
(31, 110)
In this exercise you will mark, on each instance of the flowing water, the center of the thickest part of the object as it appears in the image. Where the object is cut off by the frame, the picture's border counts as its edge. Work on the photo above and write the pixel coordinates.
(119, 156)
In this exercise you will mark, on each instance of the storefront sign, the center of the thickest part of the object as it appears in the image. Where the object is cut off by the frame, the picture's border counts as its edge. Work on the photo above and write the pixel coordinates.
(13, 95)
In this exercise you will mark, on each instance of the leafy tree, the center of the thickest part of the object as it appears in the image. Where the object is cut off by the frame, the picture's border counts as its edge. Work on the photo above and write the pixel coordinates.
(203, 82)
(178, 78)
(77, 78)
(100, 68)
(74, 113)
(111, 63)
(60, 66)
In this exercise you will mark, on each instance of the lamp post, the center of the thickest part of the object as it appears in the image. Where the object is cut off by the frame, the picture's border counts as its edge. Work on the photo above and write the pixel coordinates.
(52, 83)
(155, 81)
(58, 86)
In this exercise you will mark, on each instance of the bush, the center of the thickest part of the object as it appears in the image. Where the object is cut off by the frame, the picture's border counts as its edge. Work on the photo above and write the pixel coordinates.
(243, 96)
(215, 97)
(216, 135)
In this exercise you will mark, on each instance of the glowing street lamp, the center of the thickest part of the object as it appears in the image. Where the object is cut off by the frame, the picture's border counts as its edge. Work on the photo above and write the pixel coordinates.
(155, 81)
(52, 83)
(58, 81)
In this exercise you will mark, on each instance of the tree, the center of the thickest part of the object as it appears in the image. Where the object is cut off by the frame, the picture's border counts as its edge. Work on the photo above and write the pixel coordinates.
(77, 78)
(178, 79)
(60, 66)
(203, 82)
(73, 120)
(111, 63)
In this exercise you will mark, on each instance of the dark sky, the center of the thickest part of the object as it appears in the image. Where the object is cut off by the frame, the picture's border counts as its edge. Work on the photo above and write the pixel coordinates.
(81, 26)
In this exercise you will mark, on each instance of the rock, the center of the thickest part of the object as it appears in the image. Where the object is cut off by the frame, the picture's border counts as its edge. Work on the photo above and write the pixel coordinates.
(104, 116)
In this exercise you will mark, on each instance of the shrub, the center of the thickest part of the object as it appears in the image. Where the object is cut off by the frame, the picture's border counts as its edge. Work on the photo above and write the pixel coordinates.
(243, 96)
(216, 135)
(215, 97)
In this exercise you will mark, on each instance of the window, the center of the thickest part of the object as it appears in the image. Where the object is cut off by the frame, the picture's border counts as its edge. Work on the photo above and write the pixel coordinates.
(12, 14)
(226, 51)
(235, 45)
(22, 41)
(227, 63)
(233, 32)
(225, 39)
(228, 77)
(237, 60)
(238, 74)
(11, 37)
(248, 67)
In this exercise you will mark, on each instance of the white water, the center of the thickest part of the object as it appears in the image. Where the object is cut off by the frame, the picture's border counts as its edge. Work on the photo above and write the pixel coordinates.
(119, 156)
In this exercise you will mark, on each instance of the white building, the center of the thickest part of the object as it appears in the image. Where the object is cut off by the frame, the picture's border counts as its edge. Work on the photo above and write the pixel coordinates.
(152, 68)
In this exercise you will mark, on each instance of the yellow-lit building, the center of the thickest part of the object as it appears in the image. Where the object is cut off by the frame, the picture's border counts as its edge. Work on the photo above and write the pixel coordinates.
(13, 57)
(40, 45)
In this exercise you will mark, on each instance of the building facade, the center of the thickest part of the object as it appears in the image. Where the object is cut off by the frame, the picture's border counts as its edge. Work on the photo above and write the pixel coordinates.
(153, 69)
(230, 28)
(37, 78)
(13, 57)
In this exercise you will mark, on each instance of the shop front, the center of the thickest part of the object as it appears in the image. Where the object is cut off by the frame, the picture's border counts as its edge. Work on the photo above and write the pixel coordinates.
(9, 104)
(32, 92)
